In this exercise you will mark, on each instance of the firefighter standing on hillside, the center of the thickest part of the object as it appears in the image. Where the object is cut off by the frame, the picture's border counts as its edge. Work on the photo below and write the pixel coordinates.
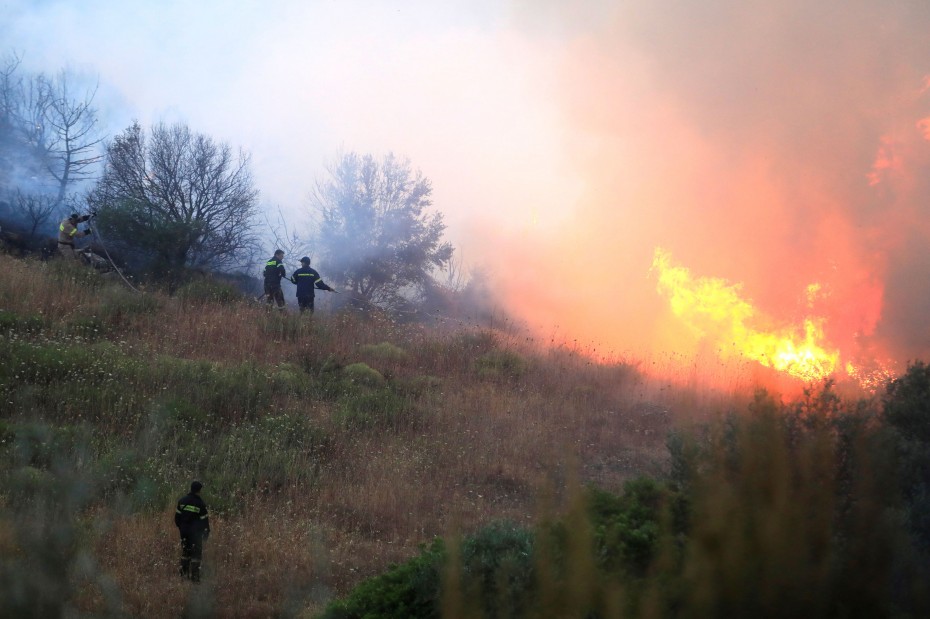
(306, 280)
(67, 231)
(274, 273)
(194, 526)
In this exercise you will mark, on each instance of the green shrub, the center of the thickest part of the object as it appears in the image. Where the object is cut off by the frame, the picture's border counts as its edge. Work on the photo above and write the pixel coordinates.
(384, 352)
(362, 375)
(408, 590)
(498, 570)
(627, 528)
(500, 364)
(494, 572)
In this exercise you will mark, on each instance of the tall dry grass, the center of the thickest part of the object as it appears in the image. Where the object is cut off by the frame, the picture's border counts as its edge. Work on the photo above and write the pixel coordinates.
(467, 427)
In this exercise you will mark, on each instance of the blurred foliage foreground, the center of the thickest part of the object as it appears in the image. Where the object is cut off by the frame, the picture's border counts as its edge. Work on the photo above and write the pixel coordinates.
(814, 509)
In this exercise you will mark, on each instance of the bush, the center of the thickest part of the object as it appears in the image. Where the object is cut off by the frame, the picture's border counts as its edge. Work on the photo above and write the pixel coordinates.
(627, 528)
(385, 352)
(498, 570)
(361, 375)
(500, 364)
(494, 570)
(407, 590)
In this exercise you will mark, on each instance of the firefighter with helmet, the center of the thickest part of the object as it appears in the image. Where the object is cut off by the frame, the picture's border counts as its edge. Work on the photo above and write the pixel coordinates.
(274, 273)
(307, 281)
(68, 231)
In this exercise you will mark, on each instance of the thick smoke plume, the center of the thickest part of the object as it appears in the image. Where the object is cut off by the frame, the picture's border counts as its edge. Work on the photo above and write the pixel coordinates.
(776, 145)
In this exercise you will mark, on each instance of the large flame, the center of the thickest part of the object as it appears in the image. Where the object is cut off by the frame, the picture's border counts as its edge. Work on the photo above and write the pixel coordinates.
(714, 308)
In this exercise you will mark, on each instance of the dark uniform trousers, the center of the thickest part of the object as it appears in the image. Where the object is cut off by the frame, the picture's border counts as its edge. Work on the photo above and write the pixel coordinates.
(274, 294)
(305, 304)
(191, 554)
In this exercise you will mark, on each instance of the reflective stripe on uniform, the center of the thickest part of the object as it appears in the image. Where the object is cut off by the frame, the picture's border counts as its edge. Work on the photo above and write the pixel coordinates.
(191, 508)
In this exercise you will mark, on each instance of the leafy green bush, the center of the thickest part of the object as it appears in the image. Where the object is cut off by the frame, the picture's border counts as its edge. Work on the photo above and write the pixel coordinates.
(494, 572)
(362, 375)
(627, 528)
(408, 590)
(498, 570)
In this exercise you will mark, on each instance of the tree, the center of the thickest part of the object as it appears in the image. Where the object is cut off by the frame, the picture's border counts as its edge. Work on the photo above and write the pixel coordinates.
(176, 199)
(375, 234)
(49, 141)
(69, 143)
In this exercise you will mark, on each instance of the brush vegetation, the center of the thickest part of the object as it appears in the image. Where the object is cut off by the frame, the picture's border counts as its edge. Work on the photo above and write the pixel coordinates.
(360, 467)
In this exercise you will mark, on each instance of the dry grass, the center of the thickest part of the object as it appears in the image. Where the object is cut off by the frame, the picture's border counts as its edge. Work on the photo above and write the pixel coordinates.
(486, 441)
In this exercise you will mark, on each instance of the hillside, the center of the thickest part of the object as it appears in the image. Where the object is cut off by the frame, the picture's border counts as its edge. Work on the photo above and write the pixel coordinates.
(330, 446)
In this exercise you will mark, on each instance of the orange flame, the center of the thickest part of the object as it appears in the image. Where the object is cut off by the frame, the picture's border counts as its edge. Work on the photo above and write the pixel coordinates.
(712, 307)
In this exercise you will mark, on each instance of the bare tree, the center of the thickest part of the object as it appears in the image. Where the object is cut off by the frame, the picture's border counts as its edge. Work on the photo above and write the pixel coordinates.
(70, 149)
(285, 238)
(35, 209)
(176, 198)
(49, 133)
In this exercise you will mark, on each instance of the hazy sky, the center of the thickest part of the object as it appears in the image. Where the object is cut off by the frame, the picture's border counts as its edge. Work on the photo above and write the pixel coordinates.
(772, 143)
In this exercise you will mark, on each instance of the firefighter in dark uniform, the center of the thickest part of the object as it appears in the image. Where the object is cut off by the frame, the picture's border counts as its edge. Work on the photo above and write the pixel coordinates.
(307, 280)
(194, 526)
(274, 273)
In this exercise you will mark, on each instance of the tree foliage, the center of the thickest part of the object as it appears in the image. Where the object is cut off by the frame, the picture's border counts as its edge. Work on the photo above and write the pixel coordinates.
(375, 234)
(906, 409)
(176, 198)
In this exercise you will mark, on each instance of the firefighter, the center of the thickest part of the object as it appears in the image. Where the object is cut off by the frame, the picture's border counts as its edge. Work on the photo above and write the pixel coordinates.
(67, 231)
(194, 526)
(306, 280)
(274, 273)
